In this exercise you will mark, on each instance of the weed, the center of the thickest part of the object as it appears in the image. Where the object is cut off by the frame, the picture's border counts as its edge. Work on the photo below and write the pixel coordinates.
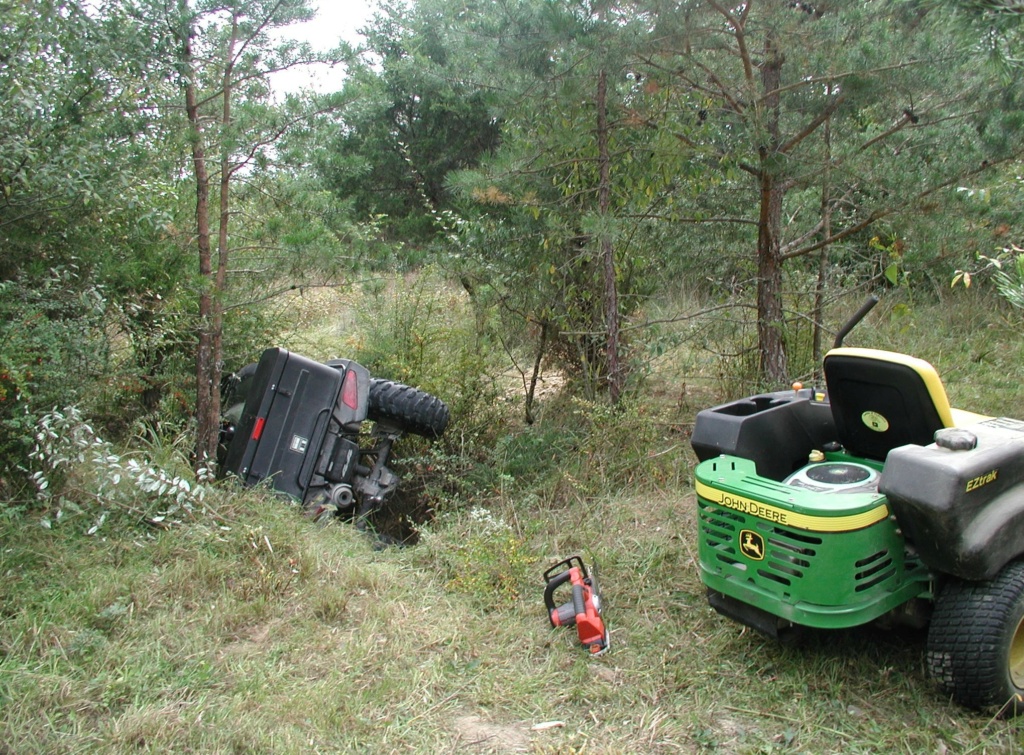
(481, 555)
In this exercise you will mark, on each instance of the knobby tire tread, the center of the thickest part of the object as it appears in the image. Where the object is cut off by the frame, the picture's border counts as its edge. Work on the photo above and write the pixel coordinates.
(413, 410)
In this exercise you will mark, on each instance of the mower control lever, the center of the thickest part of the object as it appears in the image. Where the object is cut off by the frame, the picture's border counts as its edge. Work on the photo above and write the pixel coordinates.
(857, 317)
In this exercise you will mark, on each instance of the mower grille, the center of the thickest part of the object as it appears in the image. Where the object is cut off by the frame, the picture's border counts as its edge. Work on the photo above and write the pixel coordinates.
(796, 566)
(788, 553)
(874, 570)
(827, 561)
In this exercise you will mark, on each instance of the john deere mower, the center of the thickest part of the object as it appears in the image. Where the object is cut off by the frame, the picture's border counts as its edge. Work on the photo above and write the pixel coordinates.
(871, 500)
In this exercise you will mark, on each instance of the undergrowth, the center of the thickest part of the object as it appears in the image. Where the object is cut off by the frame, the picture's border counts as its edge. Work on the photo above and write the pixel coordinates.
(79, 474)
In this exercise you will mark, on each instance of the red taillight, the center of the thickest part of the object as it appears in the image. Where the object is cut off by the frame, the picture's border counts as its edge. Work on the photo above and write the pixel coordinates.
(350, 390)
(257, 429)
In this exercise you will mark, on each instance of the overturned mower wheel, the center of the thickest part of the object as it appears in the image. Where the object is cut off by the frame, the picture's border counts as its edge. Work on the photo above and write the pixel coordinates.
(410, 409)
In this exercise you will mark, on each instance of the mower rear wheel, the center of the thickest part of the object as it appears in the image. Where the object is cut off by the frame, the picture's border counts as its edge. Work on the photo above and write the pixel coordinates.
(976, 641)
(411, 409)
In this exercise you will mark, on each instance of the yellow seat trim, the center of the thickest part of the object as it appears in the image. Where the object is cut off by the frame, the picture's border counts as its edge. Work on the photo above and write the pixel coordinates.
(937, 392)
(932, 383)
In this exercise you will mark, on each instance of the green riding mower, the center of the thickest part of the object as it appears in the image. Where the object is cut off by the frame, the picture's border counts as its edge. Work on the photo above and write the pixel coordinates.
(871, 500)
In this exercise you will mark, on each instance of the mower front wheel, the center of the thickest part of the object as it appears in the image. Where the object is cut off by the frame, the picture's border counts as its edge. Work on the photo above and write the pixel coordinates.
(976, 641)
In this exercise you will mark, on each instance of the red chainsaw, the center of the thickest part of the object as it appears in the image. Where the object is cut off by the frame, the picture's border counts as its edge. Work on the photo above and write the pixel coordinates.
(584, 609)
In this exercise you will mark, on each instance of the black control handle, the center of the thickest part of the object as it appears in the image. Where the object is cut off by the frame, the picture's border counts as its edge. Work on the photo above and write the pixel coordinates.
(859, 315)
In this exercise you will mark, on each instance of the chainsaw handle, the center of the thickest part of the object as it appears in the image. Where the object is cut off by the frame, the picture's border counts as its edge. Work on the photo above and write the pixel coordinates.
(579, 600)
(553, 584)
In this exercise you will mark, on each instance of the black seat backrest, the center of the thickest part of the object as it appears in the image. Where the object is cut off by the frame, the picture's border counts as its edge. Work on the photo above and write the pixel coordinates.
(881, 400)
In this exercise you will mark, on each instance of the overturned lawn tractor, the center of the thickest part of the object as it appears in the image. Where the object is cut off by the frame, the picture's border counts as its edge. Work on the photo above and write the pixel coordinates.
(871, 501)
(298, 425)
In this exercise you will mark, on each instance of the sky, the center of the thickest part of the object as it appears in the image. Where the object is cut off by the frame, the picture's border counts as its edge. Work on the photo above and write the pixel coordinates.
(334, 19)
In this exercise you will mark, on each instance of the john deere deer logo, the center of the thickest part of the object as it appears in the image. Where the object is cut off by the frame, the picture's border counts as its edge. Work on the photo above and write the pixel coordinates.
(752, 545)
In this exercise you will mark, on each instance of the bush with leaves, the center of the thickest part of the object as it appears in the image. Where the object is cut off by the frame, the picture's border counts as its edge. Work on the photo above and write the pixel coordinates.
(52, 345)
(79, 473)
(1008, 273)
(426, 335)
(1006, 270)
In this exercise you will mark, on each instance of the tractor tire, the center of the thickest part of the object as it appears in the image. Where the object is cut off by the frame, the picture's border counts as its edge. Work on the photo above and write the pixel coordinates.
(233, 391)
(409, 409)
(976, 642)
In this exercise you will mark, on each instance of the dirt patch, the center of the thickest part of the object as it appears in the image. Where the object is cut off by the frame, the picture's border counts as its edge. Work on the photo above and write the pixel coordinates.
(248, 642)
(483, 736)
(400, 518)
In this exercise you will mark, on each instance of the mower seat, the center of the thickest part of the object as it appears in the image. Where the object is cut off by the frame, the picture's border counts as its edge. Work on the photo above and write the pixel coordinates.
(882, 400)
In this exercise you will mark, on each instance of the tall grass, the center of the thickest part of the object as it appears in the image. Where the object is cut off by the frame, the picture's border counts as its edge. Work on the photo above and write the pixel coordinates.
(280, 636)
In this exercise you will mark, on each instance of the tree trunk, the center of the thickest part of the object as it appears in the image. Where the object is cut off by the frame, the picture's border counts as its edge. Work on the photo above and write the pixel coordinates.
(206, 434)
(771, 345)
(531, 392)
(616, 375)
(771, 342)
(220, 275)
(817, 353)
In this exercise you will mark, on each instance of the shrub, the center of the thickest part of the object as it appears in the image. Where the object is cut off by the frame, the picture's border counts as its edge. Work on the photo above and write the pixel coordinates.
(80, 473)
(481, 555)
(424, 333)
(52, 345)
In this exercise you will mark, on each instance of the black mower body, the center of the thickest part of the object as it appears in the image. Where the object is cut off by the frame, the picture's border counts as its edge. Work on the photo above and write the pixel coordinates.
(293, 424)
(963, 510)
(775, 430)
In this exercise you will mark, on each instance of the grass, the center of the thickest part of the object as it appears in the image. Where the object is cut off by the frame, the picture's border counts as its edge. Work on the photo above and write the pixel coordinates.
(268, 634)
(280, 636)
